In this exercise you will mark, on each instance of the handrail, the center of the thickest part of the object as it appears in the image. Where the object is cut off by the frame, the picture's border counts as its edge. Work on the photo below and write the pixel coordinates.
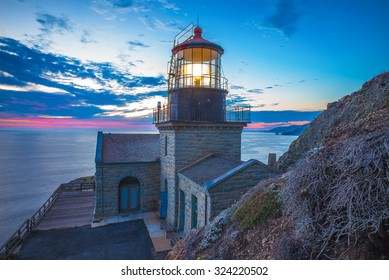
(173, 112)
(30, 224)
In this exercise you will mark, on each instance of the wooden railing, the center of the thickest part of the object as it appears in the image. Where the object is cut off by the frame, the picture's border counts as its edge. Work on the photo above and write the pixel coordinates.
(30, 224)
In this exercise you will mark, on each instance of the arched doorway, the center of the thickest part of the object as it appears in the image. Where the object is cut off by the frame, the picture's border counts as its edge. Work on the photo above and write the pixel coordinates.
(129, 195)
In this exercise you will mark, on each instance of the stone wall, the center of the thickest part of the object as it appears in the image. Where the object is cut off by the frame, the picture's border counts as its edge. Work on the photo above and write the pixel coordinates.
(190, 188)
(188, 142)
(108, 177)
(224, 194)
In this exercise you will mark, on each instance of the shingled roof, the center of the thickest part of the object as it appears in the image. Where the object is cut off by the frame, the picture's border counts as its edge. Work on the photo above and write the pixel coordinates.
(120, 148)
(209, 168)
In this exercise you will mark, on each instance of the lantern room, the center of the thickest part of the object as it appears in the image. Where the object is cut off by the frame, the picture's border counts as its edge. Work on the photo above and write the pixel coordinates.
(197, 89)
(196, 64)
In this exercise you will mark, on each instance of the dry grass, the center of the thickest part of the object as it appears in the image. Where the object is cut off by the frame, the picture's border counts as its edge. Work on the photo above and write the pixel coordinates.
(339, 192)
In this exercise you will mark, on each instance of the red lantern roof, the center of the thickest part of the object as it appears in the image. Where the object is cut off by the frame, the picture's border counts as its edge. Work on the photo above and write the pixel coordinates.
(197, 41)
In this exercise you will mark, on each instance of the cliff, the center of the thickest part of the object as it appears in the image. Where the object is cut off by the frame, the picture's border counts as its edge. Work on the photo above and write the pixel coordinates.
(333, 201)
(371, 98)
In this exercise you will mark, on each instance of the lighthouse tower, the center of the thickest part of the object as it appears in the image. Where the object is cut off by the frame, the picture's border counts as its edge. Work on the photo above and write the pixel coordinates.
(195, 122)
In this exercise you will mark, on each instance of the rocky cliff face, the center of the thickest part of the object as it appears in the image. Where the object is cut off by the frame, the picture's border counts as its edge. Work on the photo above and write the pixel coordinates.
(333, 202)
(371, 98)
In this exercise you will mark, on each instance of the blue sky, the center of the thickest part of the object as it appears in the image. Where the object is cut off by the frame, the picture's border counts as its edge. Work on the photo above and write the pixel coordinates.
(103, 63)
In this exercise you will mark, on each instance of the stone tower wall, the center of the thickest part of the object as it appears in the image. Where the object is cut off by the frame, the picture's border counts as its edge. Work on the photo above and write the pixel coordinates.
(188, 142)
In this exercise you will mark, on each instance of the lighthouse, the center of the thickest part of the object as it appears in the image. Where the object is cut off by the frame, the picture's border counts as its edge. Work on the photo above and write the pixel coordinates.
(195, 122)
(192, 170)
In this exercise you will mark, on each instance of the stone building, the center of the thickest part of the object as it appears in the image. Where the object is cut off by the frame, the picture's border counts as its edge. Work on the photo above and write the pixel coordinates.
(192, 170)
(127, 173)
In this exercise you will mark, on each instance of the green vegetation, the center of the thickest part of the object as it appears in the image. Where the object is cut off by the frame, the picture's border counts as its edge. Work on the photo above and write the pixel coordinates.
(257, 209)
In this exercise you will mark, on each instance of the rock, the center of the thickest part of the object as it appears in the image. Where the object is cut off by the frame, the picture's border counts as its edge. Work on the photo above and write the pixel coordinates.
(371, 98)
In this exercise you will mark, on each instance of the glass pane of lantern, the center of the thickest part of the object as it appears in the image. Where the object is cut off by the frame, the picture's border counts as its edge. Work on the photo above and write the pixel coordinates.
(188, 55)
(197, 55)
(206, 55)
(205, 70)
(197, 69)
(215, 57)
(188, 69)
(206, 81)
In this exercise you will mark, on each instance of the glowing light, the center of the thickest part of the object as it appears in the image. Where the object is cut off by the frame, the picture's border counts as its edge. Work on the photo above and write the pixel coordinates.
(197, 74)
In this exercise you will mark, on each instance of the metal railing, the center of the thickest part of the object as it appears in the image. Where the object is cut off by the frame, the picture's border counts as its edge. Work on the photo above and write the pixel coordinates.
(241, 114)
(29, 225)
(205, 81)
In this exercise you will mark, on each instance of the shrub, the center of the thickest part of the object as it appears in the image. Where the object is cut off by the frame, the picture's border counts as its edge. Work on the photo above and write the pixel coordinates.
(257, 209)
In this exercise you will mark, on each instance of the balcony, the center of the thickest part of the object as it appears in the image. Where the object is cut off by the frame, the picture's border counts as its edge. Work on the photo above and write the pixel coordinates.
(173, 112)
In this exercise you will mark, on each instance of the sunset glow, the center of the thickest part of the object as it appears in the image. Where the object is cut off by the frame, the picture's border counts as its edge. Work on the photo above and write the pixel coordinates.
(104, 62)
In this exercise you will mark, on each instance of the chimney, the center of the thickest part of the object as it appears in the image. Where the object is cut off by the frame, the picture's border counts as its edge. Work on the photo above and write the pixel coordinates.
(272, 160)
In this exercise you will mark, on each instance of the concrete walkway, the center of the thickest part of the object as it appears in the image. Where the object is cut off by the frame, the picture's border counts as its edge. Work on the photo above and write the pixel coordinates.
(119, 241)
(75, 209)
(153, 224)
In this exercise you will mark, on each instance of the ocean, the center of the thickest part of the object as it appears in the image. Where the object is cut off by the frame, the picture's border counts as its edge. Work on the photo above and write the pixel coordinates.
(34, 163)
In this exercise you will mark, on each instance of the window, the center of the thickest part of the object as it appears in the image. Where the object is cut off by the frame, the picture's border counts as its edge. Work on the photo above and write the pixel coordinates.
(165, 145)
(194, 211)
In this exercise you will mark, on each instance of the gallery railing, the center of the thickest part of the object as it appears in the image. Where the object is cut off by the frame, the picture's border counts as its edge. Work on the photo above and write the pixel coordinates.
(241, 114)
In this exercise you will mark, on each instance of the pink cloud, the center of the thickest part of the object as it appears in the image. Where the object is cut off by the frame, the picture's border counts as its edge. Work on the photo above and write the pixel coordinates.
(268, 126)
(66, 123)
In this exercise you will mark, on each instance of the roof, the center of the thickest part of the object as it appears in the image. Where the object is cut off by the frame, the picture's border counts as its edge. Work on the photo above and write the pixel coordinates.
(120, 148)
(197, 41)
(234, 171)
(209, 168)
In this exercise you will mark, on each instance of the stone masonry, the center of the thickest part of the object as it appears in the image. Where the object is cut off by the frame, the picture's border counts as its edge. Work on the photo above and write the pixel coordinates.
(126, 155)
(227, 192)
(215, 188)
(187, 142)
(108, 178)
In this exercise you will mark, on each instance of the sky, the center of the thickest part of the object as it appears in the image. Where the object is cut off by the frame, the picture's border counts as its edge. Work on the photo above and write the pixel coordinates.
(102, 64)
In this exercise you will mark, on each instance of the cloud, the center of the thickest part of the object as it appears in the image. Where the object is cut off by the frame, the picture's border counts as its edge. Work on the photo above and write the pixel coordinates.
(123, 4)
(31, 87)
(269, 125)
(168, 5)
(142, 108)
(255, 90)
(86, 38)
(5, 74)
(285, 17)
(154, 24)
(55, 117)
(56, 85)
(53, 24)
(136, 43)
(236, 87)
(284, 20)
(111, 10)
